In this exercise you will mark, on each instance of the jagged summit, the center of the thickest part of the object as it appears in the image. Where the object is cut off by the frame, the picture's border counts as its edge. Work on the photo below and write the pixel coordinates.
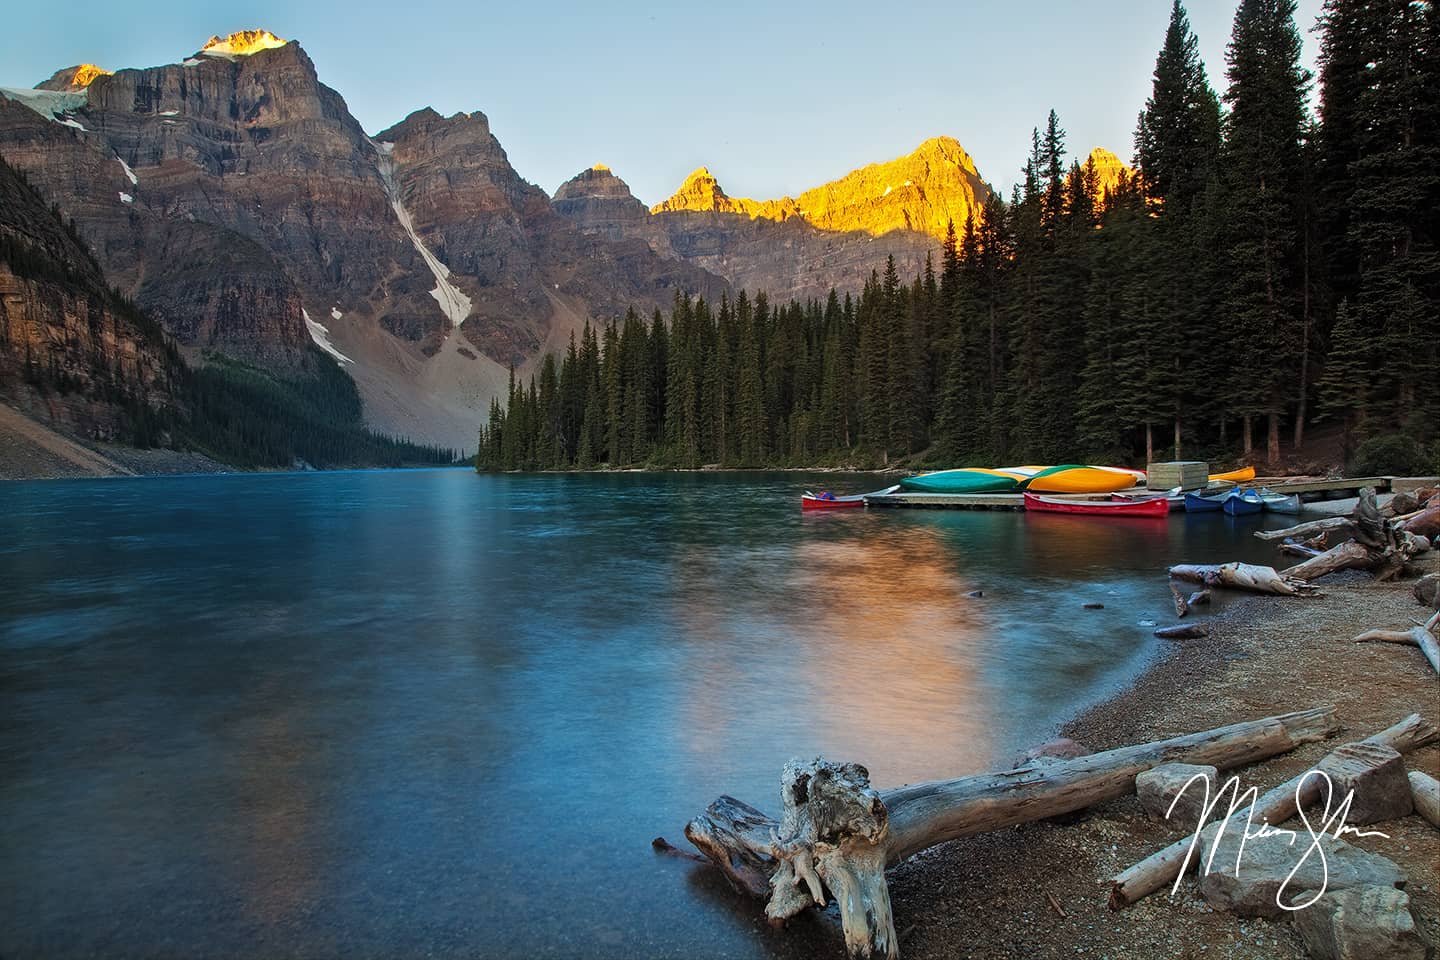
(242, 43)
(1108, 168)
(702, 193)
(599, 199)
(924, 190)
(946, 149)
(74, 79)
(597, 181)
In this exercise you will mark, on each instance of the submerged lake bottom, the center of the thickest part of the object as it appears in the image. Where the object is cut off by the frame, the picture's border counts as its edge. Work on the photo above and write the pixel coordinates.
(434, 713)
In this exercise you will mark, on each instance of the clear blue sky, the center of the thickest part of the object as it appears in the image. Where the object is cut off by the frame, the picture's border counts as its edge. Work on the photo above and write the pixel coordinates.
(773, 97)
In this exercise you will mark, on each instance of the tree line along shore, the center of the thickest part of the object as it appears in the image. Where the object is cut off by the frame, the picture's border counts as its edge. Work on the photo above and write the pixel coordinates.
(1262, 271)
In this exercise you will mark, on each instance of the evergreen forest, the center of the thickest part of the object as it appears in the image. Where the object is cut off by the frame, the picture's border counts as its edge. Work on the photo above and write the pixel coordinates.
(1273, 264)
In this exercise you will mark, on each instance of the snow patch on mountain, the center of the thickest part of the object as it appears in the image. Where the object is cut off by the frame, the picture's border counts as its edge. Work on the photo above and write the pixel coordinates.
(335, 313)
(50, 104)
(128, 172)
(321, 335)
(126, 198)
(453, 303)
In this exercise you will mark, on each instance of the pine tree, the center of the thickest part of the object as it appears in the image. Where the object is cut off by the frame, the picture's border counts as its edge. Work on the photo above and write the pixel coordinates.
(1262, 153)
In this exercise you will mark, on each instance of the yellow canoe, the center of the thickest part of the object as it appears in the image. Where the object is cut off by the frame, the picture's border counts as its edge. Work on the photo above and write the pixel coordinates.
(1082, 478)
(1236, 476)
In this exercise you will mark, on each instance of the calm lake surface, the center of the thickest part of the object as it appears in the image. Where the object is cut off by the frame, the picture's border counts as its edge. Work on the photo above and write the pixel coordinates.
(414, 714)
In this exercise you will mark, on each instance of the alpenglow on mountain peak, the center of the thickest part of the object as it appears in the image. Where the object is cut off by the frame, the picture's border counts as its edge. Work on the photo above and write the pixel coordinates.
(242, 43)
(923, 191)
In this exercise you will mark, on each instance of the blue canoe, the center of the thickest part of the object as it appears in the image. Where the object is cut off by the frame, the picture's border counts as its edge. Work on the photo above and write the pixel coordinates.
(1239, 503)
(1194, 503)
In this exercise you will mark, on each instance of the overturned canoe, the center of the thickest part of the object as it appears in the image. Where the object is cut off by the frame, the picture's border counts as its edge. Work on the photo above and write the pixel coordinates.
(1279, 502)
(1239, 503)
(1236, 476)
(1155, 507)
(1194, 503)
(1083, 478)
(964, 480)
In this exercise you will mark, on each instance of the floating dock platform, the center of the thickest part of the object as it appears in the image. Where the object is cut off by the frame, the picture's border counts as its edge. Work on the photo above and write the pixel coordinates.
(1310, 491)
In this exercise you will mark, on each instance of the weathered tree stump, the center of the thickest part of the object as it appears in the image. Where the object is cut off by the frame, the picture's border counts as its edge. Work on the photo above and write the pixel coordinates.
(1375, 544)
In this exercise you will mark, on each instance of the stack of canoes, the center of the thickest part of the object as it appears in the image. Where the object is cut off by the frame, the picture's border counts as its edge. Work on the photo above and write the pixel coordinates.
(1066, 478)
(1238, 502)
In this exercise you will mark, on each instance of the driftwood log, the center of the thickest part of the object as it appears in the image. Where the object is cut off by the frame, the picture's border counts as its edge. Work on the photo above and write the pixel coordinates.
(1425, 791)
(1241, 576)
(1423, 636)
(1163, 868)
(1376, 543)
(1307, 530)
(837, 835)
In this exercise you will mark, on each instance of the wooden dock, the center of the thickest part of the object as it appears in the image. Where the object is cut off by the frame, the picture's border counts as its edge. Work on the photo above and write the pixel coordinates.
(1310, 491)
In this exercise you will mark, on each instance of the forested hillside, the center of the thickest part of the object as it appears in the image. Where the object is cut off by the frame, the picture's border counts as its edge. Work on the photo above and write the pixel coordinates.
(1262, 271)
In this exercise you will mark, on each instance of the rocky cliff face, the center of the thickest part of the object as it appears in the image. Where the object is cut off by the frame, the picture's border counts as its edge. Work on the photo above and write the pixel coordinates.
(69, 355)
(829, 237)
(601, 201)
(235, 197)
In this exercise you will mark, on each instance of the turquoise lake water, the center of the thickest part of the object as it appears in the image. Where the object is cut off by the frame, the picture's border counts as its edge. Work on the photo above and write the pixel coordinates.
(417, 714)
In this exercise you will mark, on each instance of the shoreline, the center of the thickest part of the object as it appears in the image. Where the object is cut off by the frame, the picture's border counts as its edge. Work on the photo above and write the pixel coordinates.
(990, 895)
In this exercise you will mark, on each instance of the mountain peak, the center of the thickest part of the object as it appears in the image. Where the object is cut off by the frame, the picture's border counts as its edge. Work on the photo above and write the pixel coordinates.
(242, 43)
(702, 192)
(74, 79)
(1108, 169)
(946, 149)
(595, 182)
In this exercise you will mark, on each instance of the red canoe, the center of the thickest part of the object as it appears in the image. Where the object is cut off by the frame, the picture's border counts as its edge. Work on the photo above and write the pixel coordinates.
(809, 501)
(1157, 507)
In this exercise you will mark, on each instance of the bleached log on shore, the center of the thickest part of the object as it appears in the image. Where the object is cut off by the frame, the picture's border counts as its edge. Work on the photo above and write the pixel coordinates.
(1347, 556)
(1425, 790)
(838, 835)
(1304, 531)
(1241, 576)
(1163, 868)
(1420, 635)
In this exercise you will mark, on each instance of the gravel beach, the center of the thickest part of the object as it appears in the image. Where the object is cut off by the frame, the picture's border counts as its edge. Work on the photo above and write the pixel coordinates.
(1003, 894)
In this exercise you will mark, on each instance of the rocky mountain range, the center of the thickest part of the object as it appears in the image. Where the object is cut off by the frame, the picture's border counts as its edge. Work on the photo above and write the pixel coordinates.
(235, 198)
